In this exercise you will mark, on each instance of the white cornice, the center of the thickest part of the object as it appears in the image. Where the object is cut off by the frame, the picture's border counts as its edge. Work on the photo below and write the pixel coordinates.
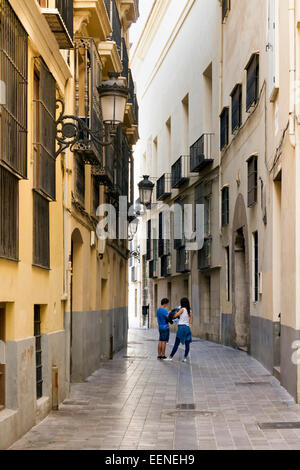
(42, 39)
(165, 49)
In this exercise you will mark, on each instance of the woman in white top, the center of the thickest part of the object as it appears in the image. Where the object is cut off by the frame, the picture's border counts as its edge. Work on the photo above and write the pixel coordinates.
(184, 335)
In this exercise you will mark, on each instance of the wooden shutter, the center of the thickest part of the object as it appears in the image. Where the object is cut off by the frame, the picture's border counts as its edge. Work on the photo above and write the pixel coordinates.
(236, 116)
(224, 124)
(252, 180)
(41, 242)
(9, 214)
(252, 81)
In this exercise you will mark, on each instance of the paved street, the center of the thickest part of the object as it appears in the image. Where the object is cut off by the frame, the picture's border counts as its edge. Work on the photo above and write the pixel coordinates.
(133, 402)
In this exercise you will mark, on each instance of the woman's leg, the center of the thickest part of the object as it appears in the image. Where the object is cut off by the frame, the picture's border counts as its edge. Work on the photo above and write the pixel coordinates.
(176, 345)
(187, 349)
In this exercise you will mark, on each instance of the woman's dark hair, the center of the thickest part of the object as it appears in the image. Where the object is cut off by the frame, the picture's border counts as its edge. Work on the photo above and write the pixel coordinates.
(164, 302)
(185, 303)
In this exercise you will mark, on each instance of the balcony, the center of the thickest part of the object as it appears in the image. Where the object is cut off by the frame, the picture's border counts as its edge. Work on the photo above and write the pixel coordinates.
(132, 98)
(182, 261)
(163, 247)
(92, 16)
(105, 173)
(163, 187)
(59, 16)
(180, 171)
(166, 266)
(201, 153)
(204, 255)
(87, 104)
(153, 270)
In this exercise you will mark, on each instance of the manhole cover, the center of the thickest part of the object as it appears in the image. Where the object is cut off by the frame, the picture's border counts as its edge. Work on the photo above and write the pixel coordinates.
(252, 383)
(285, 425)
(76, 402)
(188, 413)
(185, 406)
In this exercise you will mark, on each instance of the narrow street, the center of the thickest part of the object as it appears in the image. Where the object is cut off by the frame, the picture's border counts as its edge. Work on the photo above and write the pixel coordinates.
(133, 402)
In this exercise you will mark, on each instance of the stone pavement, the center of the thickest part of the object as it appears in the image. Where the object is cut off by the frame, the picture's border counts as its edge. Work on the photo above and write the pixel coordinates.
(133, 402)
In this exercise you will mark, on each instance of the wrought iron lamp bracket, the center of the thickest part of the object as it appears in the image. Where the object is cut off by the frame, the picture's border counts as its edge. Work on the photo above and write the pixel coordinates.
(69, 131)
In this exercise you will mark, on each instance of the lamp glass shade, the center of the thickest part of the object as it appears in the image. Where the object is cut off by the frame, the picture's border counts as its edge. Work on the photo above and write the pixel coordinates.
(113, 108)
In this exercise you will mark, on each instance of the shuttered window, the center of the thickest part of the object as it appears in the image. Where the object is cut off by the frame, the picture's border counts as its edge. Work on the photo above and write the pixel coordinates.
(224, 128)
(79, 184)
(38, 351)
(252, 180)
(41, 245)
(2, 366)
(44, 129)
(252, 81)
(9, 214)
(225, 206)
(14, 73)
(236, 108)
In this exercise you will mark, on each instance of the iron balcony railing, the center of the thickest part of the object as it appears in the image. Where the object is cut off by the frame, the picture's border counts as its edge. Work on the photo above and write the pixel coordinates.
(132, 97)
(204, 255)
(182, 261)
(163, 187)
(166, 266)
(113, 15)
(153, 271)
(180, 171)
(201, 153)
(125, 60)
(88, 77)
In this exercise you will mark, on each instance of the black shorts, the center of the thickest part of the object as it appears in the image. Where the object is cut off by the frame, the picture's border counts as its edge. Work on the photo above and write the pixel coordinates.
(164, 335)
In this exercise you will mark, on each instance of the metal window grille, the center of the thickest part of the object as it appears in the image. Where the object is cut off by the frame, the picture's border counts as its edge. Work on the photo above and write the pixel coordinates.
(256, 273)
(180, 170)
(252, 81)
(224, 124)
(252, 180)
(201, 153)
(2, 366)
(14, 73)
(38, 351)
(113, 14)
(45, 130)
(65, 7)
(79, 179)
(125, 59)
(225, 206)
(41, 241)
(9, 214)
(236, 110)
(148, 255)
(163, 187)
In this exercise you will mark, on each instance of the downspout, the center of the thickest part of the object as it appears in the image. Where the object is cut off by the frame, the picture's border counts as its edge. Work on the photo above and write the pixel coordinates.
(220, 153)
(292, 106)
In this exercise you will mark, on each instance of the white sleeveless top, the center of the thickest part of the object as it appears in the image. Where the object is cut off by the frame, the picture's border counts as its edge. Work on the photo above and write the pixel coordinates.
(184, 319)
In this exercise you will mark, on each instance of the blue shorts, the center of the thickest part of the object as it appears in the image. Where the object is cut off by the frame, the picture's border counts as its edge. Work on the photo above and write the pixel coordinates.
(164, 335)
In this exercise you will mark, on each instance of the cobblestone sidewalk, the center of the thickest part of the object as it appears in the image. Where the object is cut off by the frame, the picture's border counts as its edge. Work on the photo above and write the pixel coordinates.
(137, 402)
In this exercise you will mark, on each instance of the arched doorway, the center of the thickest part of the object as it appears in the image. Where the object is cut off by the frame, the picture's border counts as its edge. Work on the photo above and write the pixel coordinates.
(76, 284)
(240, 278)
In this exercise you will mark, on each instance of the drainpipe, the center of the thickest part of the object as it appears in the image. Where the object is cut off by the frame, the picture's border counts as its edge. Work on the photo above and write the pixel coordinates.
(292, 40)
(220, 154)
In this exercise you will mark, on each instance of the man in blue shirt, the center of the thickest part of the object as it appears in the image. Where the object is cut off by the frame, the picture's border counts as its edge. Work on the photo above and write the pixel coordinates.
(164, 330)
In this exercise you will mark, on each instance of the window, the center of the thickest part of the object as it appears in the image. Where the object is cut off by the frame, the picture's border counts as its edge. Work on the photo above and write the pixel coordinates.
(255, 268)
(9, 207)
(14, 73)
(96, 194)
(225, 9)
(252, 180)
(198, 200)
(252, 81)
(38, 351)
(236, 108)
(44, 129)
(225, 206)
(227, 266)
(207, 216)
(41, 241)
(224, 123)
(148, 256)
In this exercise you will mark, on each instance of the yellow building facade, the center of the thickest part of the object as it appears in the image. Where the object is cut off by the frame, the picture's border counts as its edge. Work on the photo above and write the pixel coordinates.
(56, 277)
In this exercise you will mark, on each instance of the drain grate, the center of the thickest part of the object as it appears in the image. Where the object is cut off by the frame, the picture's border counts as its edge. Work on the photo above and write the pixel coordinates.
(76, 402)
(284, 425)
(135, 357)
(188, 413)
(252, 383)
(186, 406)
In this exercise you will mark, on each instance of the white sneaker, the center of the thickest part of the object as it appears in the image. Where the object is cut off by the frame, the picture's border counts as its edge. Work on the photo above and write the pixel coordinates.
(184, 360)
(169, 358)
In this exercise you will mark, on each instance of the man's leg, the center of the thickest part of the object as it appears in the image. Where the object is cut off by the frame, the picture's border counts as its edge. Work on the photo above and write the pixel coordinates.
(160, 349)
(176, 346)
(163, 349)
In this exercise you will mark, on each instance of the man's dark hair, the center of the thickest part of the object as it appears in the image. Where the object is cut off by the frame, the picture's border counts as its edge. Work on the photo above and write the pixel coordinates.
(164, 302)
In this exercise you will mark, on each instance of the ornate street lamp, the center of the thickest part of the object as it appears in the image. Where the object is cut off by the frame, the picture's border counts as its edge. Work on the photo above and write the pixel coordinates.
(70, 129)
(146, 189)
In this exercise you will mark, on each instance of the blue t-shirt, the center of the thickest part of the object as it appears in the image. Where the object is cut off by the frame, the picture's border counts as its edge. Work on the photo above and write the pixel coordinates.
(162, 314)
